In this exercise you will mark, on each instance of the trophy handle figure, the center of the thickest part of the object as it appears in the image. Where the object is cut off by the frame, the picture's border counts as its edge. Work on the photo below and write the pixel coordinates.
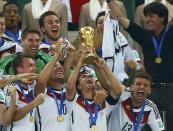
(86, 35)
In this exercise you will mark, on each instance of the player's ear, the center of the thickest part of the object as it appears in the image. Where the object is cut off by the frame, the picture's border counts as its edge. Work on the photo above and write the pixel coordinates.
(42, 29)
(132, 87)
(149, 91)
(19, 70)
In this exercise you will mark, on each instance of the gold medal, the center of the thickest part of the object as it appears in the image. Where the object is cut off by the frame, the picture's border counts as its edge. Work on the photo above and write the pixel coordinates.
(158, 60)
(93, 128)
(60, 118)
(31, 119)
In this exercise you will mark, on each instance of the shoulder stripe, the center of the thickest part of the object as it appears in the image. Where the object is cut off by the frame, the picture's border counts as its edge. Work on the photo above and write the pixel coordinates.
(154, 107)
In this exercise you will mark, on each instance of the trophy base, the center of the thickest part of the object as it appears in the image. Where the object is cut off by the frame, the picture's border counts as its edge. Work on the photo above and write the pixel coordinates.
(90, 58)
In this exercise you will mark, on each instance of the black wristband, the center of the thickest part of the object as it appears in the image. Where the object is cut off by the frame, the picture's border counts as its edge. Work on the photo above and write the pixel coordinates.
(108, 1)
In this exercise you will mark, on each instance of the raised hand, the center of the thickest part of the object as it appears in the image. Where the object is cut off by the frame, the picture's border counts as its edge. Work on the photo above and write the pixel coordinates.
(69, 46)
(101, 63)
(58, 46)
(27, 77)
(81, 53)
(100, 96)
(12, 91)
(131, 63)
(39, 99)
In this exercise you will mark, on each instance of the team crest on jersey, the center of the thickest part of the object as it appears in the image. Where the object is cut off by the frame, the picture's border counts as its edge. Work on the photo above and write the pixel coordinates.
(137, 117)
(160, 124)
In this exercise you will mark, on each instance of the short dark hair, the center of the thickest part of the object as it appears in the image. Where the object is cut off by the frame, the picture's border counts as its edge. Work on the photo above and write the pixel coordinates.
(157, 8)
(47, 13)
(142, 74)
(9, 3)
(25, 32)
(18, 62)
(102, 13)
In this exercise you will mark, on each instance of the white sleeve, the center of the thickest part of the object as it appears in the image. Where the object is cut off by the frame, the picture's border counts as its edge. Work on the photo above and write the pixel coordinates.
(2, 97)
(112, 103)
(155, 121)
(131, 54)
(109, 108)
(8, 97)
(71, 103)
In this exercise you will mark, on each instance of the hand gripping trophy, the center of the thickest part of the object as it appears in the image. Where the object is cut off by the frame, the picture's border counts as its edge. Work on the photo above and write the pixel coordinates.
(86, 35)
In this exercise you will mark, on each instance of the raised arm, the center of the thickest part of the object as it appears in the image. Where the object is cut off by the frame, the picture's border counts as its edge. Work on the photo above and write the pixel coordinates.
(102, 77)
(71, 83)
(116, 86)
(68, 62)
(6, 114)
(22, 112)
(116, 12)
(44, 75)
(26, 78)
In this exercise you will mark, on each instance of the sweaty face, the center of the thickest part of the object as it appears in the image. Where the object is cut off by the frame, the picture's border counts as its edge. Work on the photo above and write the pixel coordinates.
(31, 44)
(100, 24)
(12, 16)
(51, 27)
(2, 26)
(140, 89)
(28, 66)
(153, 22)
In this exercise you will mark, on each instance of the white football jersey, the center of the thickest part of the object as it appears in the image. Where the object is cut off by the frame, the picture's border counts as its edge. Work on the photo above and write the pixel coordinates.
(121, 116)
(10, 48)
(80, 118)
(12, 36)
(24, 124)
(2, 97)
(116, 63)
(47, 113)
(2, 101)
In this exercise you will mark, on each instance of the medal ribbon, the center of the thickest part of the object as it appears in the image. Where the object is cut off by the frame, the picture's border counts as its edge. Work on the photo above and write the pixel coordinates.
(139, 118)
(12, 35)
(23, 94)
(92, 116)
(60, 105)
(45, 41)
(1, 42)
(157, 47)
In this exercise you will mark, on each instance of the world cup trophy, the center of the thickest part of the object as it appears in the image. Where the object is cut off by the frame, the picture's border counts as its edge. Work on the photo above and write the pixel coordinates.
(86, 35)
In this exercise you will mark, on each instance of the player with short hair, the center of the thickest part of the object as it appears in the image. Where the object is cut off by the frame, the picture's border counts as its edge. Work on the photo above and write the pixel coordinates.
(23, 118)
(86, 114)
(133, 110)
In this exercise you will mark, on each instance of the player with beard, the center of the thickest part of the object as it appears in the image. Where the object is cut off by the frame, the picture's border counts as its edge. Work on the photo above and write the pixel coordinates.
(53, 113)
(86, 114)
(30, 42)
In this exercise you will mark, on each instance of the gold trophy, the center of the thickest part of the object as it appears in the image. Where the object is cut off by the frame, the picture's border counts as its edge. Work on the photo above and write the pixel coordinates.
(86, 35)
